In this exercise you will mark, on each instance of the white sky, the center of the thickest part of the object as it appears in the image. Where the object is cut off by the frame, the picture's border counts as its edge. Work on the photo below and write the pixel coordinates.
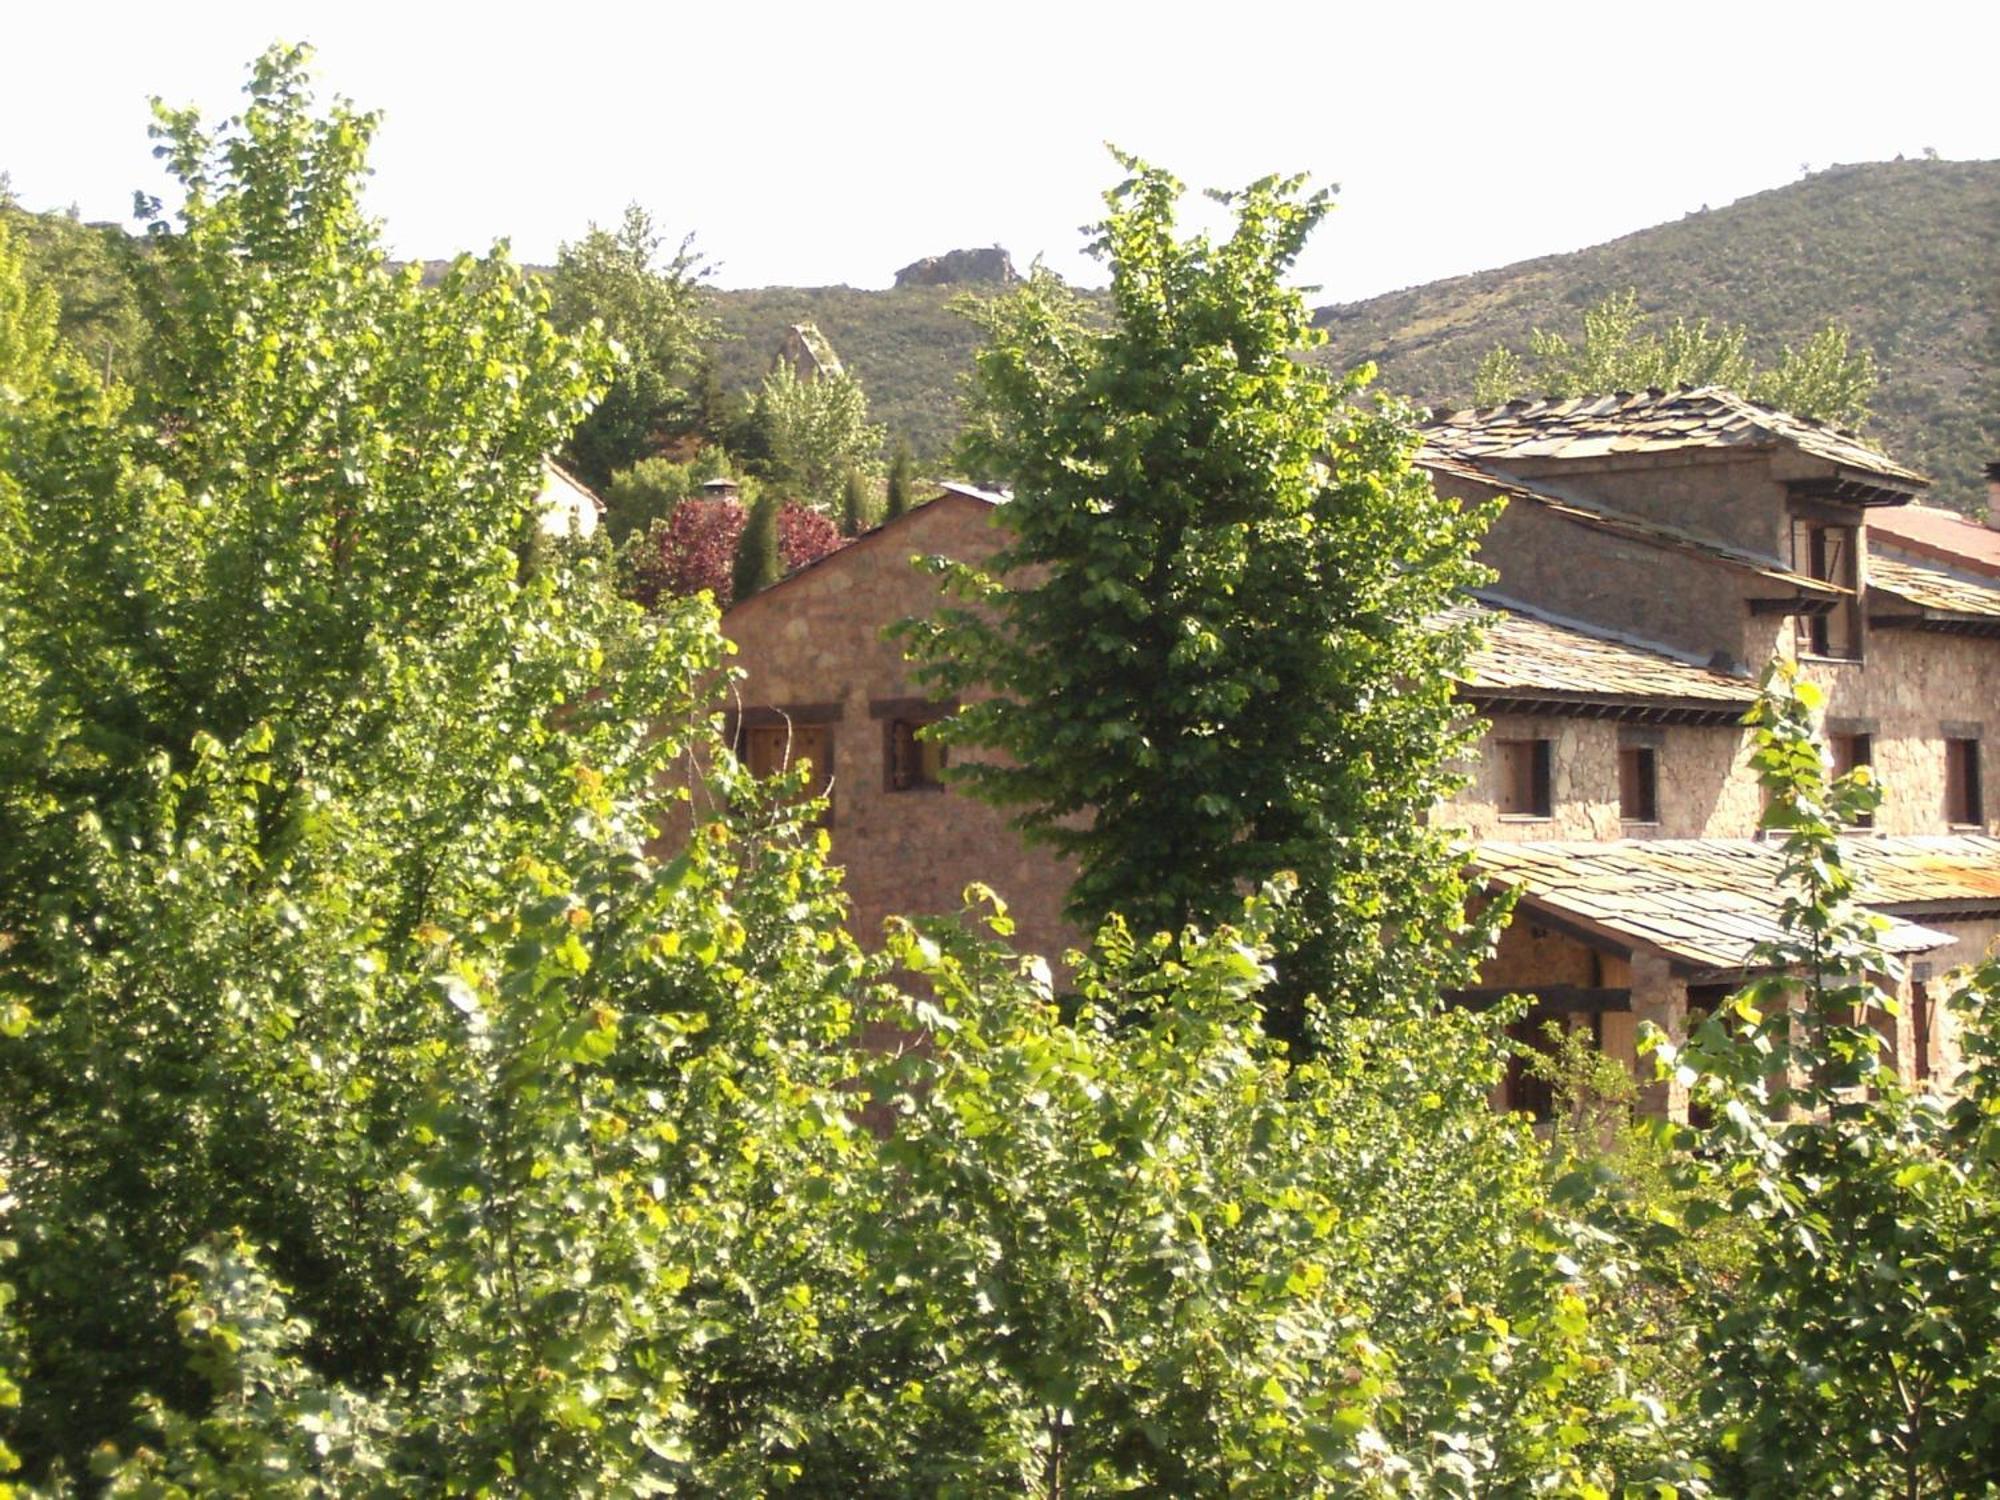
(807, 144)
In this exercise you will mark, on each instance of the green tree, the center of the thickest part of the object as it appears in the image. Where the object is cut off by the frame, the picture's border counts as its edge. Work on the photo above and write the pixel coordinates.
(650, 489)
(1826, 380)
(651, 306)
(758, 564)
(816, 430)
(93, 271)
(325, 915)
(29, 317)
(857, 505)
(898, 500)
(1859, 1351)
(1228, 660)
(1620, 351)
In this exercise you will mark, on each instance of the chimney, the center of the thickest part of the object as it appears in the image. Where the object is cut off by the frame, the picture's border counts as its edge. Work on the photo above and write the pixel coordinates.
(1993, 495)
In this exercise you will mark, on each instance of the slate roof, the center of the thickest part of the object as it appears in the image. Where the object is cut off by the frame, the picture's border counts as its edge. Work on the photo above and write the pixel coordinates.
(1933, 869)
(1934, 589)
(1653, 422)
(971, 492)
(1528, 654)
(1941, 535)
(1710, 902)
(1585, 511)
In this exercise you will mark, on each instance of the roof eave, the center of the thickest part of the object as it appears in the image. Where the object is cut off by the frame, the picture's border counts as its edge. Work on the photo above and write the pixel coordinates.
(1944, 621)
(1632, 708)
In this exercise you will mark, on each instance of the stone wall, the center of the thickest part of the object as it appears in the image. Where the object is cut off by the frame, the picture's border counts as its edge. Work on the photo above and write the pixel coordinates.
(1661, 594)
(1910, 685)
(813, 643)
(1736, 496)
(1706, 786)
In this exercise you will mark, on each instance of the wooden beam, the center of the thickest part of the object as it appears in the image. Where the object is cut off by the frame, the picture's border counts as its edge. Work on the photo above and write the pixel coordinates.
(1794, 604)
(911, 708)
(1565, 998)
(789, 713)
(1530, 909)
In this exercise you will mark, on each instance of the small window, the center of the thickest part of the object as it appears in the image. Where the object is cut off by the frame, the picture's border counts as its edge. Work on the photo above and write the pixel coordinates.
(1828, 554)
(1844, 753)
(1524, 778)
(1920, 1030)
(1638, 784)
(916, 761)
(1963, 803)
(769, 749)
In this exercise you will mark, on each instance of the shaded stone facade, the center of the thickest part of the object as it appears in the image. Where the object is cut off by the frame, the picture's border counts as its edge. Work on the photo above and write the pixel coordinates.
(811, 650)
(1640, 593)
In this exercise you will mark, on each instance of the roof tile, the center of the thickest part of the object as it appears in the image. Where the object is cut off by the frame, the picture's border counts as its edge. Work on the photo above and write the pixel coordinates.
(1653, 421)
(1711, 902)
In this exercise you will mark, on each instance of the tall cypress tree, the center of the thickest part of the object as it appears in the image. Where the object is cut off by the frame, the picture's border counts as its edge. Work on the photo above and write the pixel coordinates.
(757, 563)
(855, 508)
(899, 483)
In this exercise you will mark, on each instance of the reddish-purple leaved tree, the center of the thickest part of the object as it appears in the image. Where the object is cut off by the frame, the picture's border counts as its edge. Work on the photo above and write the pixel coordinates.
(694, 548)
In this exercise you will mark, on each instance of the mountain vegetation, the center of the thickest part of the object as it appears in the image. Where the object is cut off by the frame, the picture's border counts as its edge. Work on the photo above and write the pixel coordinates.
(1898, 253)
(909, 349)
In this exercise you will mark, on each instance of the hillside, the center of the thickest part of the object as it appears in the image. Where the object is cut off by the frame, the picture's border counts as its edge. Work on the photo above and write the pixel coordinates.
(906, 347)
(1900, 252)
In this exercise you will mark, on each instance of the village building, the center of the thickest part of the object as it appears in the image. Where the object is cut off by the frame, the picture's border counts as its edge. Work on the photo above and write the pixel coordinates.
(1654, 552)
(565, 506)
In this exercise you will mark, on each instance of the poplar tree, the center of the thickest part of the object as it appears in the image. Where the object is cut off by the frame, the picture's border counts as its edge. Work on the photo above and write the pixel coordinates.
(1825, 380)
(1212, 638)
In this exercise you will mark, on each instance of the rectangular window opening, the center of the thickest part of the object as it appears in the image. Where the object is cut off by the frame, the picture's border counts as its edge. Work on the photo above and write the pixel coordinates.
(1829, 554)
(770, 749)
(1964, 804)
(916, 762)
(1525, 779)
(1638, 784)
(1844, 753)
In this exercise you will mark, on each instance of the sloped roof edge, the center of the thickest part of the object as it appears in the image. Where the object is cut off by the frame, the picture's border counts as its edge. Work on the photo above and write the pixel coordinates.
(1655, 421)
(1585, 511)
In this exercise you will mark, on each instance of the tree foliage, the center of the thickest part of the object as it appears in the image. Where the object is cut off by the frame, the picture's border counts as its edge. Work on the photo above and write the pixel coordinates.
(652, 307)
(696, 549)
(91, 270)
(391, 1106)
(897, 498)
(816, 431)
(1219, 655)
(652, 488)
(1859, 1353)
(323, 897)
(857, 505)
(1823, 381)
(758, 563)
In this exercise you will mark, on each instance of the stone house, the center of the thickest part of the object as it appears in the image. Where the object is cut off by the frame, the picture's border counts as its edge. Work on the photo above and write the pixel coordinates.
(820, 683)
(567, 507)
(1700, 528)
(1654, 552)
